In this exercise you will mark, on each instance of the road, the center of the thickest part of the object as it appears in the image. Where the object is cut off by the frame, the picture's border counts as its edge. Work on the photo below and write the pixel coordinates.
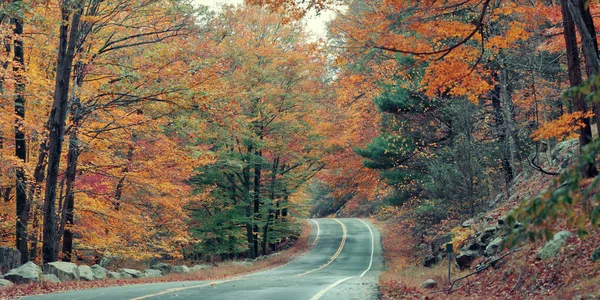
(343, 264)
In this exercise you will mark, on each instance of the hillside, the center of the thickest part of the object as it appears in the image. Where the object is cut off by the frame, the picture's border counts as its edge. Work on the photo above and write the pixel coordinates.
(520, 271)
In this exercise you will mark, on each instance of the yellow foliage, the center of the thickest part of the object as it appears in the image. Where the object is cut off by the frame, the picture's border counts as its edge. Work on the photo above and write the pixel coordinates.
(460, 236)
(562, 128)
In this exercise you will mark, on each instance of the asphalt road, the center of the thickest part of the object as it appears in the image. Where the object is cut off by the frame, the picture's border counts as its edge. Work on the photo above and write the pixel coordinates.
(343, 264)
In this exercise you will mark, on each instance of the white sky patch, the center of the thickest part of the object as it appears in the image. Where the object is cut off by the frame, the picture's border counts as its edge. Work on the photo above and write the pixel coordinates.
(317, 25)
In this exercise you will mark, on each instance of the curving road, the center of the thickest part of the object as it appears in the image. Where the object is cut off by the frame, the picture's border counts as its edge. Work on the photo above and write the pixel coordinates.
(343, 264)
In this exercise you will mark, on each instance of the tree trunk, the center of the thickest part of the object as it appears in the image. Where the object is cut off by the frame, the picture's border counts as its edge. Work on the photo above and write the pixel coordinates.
(121, 183)
(68, 39)
(501, 135)
(256, 202)
(574, 69)
(248, 207)
(23, 205)
(585, 24)
(271, 212)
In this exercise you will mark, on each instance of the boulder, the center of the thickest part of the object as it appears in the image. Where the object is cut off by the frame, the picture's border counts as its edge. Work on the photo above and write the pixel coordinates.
(552, 247)
(99, 272)
(50, 278)
(124, 275)
(473, 246)
(86, 273)
(198, 268)
(162, 267)
(10, 258)
(468, 223)
(595, 256)
(104, 262)
(487, 234)
(429, 284)
(465, 258)
(131, 272)
(180, 269)
(151, 273)
(242, 263)
(493, 247)
(29, 272)
(113, 275)
(430, 261)
(65, 271)
(5, 283)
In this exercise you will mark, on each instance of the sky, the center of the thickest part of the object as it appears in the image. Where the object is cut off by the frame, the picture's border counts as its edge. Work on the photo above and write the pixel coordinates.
(314, 24)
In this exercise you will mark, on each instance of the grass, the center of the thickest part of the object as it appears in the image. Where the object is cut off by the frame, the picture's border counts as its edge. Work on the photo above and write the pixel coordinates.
(223, 270)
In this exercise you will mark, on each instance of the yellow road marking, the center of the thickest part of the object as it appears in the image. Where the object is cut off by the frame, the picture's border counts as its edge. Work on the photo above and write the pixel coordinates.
(337, 253)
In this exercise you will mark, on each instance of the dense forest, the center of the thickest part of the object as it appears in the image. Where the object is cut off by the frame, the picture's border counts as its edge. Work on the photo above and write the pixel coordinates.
(165, 129)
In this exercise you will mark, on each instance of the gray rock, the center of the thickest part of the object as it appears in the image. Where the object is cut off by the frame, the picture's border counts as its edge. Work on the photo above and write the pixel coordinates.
(429, 284)
(50, 278)
(487, 234)
(86, 273)
(99, 272)
(595, 256)
(131, 272)
(473, 246)
(198, 268)
(468, 223)
(162, 267)
(242, 263)
(430, 261)
(5, 283)
(10, 258)
(151, 273)
(65, 271)
(493, 247)
(29, 272)
(104, 262)
(180, 269)
(113, 275)
(124, 275)
(552, 247)
(465, 258)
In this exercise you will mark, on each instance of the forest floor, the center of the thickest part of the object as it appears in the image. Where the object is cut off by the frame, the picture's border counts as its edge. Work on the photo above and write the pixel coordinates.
(569, 275)
(223, 270)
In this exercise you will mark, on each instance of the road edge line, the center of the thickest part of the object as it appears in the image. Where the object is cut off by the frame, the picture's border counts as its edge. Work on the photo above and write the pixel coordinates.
(325, 290)
(372, 247)
(318, 232)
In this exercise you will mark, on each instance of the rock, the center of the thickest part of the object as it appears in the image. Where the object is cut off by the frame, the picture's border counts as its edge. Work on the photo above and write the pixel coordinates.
(113, 275)
(429, 284)
(131, 272)
(50, 278)
(99, 272)
(552, 247)
(430, 261)
(162, 267)
(242, 263)
(198, 268)
(10, 258)
(29, 272)
(595, 255)
(465, 258)
(474, 246)
(104, 262)
(468, 223)
(124, 275)
(86, 273)
(487, 234)
(493, 247)
(180, 269)
(5, 283)
(151, 273)
(65, 271)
